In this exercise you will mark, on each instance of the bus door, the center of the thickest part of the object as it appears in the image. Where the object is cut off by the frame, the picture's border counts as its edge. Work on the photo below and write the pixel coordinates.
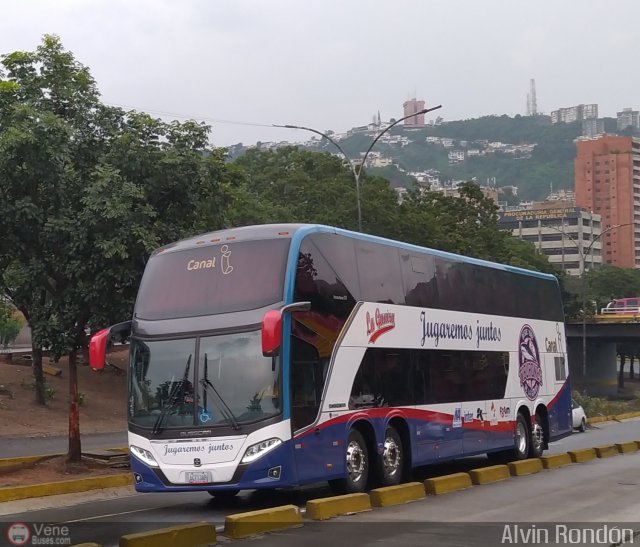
(308, 373)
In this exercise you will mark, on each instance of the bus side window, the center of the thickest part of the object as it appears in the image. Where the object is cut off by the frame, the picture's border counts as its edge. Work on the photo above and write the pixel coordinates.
(308, 373)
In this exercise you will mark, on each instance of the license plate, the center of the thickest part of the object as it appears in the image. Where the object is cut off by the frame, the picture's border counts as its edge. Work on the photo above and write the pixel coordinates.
(198, 477)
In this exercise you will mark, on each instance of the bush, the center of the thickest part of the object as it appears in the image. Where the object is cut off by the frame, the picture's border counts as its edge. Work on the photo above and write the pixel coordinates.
(598, 406)
(10, 325)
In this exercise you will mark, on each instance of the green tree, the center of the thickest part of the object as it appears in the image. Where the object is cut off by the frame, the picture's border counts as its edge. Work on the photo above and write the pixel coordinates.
(86, 192)
(295, 185)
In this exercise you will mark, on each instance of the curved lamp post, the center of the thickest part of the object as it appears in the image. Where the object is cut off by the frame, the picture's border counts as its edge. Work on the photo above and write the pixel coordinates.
(583, 285)
(358, 170)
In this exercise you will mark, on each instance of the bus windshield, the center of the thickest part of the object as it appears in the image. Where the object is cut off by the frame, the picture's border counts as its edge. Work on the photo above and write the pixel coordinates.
(232, 383)
(213, 279)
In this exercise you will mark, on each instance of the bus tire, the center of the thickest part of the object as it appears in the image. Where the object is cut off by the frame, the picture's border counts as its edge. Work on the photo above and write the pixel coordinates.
(522, 438)
(536, 446)
(391, 462)
(357, 466)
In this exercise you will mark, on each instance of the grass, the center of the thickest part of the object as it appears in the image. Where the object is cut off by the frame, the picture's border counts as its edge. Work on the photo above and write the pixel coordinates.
(599, 406)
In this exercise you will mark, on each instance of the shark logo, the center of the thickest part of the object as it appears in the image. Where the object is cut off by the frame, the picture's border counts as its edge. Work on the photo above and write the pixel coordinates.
(530, 371)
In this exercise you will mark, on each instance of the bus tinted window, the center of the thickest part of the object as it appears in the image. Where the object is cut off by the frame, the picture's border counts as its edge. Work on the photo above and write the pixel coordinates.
(400, 377)
(379, 272)
(340, 253)
(213, 279)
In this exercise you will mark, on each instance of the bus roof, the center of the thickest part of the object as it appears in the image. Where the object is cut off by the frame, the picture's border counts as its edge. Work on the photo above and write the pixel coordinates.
(298, 231)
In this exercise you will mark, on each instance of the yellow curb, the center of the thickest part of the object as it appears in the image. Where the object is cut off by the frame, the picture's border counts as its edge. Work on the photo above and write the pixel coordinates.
(252, 523)
(606, 451)
(525, 467)
(582, 455)
(626, 416)
(597, 419)
(187, 535)
(448, 483)
(11, 493)
(627, 447)
(493, 473)
(326, 508)
(638, 443)
(553, 461)
(395, 495)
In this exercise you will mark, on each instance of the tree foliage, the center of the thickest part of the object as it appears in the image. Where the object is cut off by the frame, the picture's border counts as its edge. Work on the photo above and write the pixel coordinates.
(87, 191)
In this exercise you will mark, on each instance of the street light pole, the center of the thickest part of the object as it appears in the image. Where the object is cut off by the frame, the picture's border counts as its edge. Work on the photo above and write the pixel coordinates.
(583, 282)
(357, 171)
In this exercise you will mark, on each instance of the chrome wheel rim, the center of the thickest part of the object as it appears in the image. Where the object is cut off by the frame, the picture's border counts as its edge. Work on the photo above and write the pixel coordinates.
(392, 456)
(356, 461)
(537, 436)
(521, 438)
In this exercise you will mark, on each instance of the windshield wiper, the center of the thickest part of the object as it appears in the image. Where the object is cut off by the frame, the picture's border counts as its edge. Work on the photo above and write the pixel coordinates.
(173, 398)
(224, 409)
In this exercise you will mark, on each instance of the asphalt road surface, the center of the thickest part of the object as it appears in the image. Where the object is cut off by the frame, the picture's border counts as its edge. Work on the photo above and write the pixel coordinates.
(104, 516)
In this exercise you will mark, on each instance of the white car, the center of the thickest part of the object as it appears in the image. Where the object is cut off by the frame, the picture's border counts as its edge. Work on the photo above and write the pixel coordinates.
(579, 417)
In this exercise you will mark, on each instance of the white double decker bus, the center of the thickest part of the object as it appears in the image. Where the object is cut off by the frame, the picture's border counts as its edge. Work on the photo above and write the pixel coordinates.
(280, 355)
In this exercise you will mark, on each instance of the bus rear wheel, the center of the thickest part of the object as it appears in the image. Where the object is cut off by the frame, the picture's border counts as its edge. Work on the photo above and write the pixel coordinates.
(391, 463)
(537, 437)
(522, 438)
(357, 466)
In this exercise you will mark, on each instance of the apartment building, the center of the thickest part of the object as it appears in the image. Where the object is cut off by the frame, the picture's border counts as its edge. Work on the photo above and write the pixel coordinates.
(607, 182)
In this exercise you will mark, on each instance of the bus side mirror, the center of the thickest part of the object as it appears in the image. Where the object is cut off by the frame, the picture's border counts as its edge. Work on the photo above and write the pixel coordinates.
(271, 333)
(100, 340)
(272, 327)
(98, 349)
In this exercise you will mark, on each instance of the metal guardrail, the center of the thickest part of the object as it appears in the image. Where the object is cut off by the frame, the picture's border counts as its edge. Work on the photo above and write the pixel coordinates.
(621, 311)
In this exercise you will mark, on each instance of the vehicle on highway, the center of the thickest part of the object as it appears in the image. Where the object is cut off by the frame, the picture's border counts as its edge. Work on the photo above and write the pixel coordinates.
(579, 418)
(280, 355)
(622, 306)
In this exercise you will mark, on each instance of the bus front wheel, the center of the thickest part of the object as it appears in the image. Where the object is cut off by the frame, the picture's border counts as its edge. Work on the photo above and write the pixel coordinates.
(357, 466)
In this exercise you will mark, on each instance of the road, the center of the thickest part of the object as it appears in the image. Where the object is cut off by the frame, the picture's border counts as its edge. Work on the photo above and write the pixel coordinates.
(103, 516)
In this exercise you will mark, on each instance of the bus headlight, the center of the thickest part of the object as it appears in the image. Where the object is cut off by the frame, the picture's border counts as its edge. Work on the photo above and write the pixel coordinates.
(258, 450)
(144, 455)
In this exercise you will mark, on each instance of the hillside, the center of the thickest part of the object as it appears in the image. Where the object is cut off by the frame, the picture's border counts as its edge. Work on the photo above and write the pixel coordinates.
(524, 151)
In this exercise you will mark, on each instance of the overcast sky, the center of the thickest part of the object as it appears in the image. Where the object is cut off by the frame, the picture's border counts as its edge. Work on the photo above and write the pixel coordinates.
(332, 64)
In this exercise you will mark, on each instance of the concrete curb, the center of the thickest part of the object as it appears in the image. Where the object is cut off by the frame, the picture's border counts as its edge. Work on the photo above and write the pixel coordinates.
(582, 455)
(625, 448)
(614, 417)
(486, 475)
(326, 508)
(606, 451)
(188, 535)
(525, 467)
(554, 461)
(12, 493)
(253, 523)
(448, 483)
(395, 495)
